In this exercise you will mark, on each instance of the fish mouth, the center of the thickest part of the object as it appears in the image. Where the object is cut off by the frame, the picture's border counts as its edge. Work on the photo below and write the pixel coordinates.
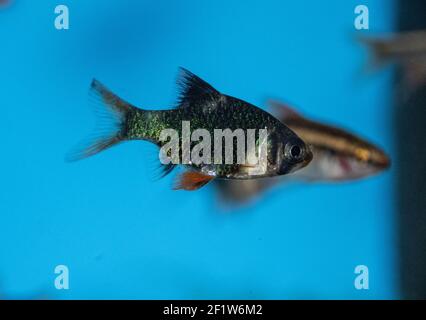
(383, 162)
(308, 157)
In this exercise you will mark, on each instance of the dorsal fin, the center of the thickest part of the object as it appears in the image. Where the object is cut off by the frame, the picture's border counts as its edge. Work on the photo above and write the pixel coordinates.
(283, 112)
(194, 90)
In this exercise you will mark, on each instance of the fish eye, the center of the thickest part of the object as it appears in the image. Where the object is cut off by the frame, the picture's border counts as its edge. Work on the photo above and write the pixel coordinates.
(294, 151)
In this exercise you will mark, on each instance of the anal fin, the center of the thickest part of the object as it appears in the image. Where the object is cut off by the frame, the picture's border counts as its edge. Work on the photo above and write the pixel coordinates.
(191, 181)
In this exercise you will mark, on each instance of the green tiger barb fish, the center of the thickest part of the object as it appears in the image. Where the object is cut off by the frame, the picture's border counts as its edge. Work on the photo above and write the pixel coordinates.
(203, 112)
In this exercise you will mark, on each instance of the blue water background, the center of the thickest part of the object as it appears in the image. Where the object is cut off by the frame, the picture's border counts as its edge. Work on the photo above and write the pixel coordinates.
(123, 234)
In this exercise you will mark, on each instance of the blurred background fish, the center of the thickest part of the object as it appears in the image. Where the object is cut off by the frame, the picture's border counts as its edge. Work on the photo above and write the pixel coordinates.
(4, 3)
(338, 156)
(408, 49)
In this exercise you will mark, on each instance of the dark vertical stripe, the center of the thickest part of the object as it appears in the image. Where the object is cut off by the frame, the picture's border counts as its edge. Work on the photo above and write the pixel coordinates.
(410, 126)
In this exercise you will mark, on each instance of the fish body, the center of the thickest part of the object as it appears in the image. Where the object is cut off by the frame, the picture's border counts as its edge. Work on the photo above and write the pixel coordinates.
(338, 155)
(203, 107)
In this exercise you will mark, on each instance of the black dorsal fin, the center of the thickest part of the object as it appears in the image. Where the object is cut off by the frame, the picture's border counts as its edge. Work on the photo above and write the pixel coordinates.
(194, 91)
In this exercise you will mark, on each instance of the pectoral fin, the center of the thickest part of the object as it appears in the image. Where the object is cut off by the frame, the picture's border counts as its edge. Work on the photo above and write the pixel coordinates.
(191, 181)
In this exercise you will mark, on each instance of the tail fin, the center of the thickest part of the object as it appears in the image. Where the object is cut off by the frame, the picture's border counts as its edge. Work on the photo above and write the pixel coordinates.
(112, 113)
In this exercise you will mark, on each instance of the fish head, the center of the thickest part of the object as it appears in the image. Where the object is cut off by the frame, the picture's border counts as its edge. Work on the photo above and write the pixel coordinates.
(338, 154)
(294, 154)
(366, 160)
(332, 165)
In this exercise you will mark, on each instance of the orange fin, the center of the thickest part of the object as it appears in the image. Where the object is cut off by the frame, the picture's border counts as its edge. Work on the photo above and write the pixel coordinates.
(282, 111)
(191, 180)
